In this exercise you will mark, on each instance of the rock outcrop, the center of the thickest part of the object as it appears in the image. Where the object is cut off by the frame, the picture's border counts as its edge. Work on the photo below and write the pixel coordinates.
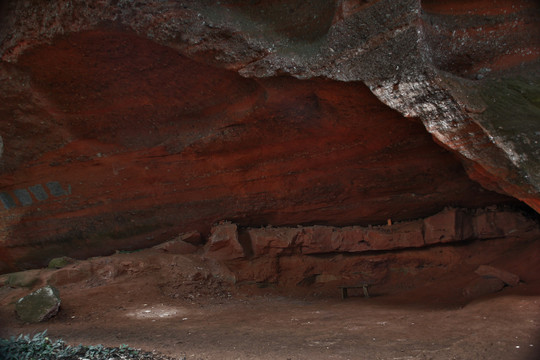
(450, 225)
(223, 243)
(125, 123)
(326, 256)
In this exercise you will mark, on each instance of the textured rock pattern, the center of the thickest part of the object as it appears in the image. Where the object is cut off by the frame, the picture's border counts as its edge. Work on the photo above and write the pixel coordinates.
(223, 243)
(130, 122)
(416, 57)
(39, 306)
(127, 162)
(450, 225)
(322, 256)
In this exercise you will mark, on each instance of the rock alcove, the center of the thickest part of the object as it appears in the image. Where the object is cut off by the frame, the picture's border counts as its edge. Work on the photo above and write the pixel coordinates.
(126, 123)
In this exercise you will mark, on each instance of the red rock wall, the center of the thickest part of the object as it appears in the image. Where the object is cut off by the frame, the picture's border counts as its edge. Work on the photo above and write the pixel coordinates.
(141, 138)
(124, 125)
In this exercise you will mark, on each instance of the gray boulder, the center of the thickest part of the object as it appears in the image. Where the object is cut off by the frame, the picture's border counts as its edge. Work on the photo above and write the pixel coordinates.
(40, 305)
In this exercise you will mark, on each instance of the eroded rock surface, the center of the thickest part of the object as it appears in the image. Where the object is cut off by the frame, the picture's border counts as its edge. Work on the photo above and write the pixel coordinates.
(450, 225)
(323, 255)
(223, 243)
(125, 123)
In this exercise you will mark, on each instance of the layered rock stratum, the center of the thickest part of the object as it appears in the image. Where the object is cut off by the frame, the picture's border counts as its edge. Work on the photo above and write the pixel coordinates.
(124, 123)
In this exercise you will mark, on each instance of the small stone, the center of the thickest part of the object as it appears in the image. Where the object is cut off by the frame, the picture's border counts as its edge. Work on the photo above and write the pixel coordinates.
(39, 306)
(482, 286)
(60, 262)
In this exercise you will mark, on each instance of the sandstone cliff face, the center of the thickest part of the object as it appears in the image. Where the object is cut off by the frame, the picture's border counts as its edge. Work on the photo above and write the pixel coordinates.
(325, 256)
(126, 122)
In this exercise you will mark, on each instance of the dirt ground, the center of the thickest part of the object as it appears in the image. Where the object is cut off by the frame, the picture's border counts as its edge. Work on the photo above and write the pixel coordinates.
(177, 306)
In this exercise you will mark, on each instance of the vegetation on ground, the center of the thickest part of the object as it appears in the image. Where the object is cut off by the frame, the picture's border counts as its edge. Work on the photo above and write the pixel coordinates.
(41, 347)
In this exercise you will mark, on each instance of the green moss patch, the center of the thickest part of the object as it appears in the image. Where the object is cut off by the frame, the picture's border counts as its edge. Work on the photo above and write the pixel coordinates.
(60, 262)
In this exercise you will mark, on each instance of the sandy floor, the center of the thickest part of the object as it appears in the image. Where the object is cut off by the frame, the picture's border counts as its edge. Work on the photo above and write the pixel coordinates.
(226, 322)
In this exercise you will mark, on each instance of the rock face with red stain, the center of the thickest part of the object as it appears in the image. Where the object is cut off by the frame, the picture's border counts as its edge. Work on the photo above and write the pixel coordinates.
(449, 225)
(127, 123)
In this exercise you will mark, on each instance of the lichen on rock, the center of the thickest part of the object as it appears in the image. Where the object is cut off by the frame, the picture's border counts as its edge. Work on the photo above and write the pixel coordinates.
(39, 306)
(60, 262)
